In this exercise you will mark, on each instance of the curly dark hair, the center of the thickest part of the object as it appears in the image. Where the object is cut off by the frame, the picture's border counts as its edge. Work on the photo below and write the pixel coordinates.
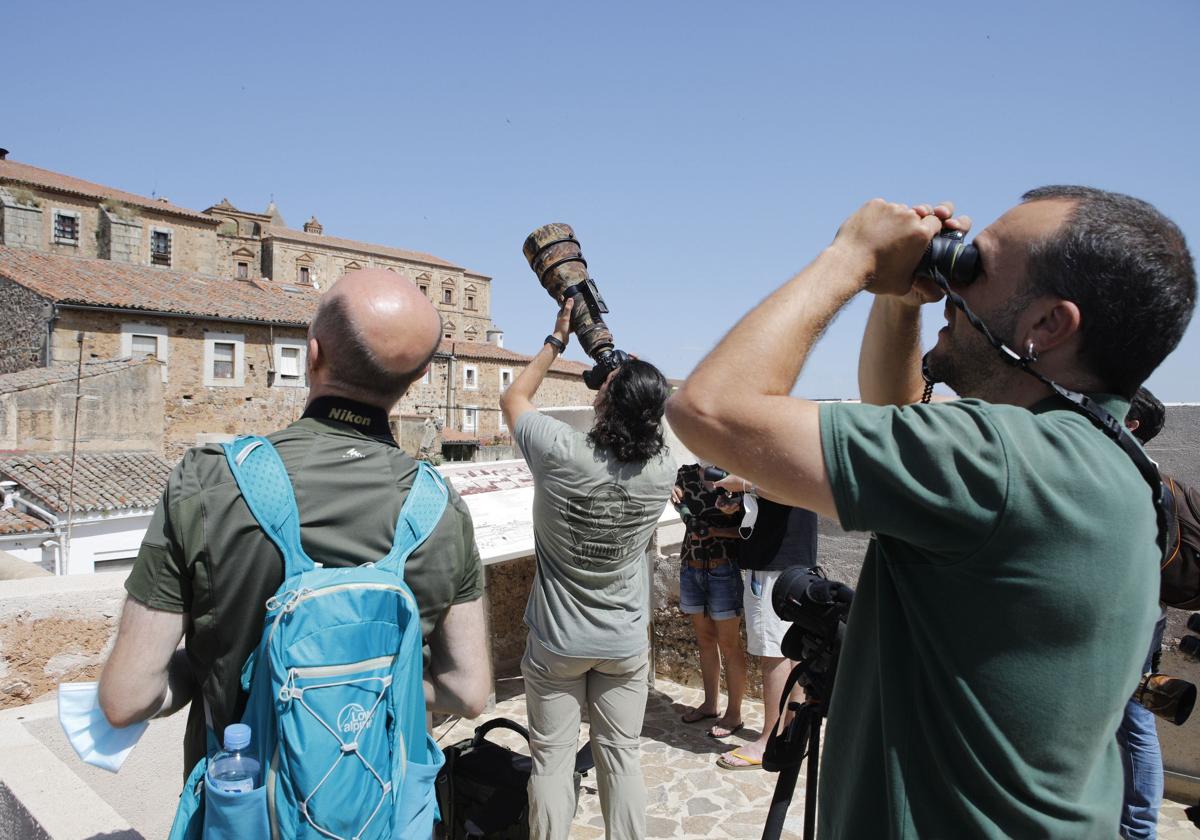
(629, 422)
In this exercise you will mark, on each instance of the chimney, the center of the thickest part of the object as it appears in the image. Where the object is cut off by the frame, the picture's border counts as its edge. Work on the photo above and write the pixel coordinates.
(313, 226)
(495, 336)
(8, 489)
(3, 154)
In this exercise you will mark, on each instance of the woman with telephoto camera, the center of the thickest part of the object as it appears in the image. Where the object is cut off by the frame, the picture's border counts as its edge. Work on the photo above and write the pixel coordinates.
(597, 500)
(710, 591)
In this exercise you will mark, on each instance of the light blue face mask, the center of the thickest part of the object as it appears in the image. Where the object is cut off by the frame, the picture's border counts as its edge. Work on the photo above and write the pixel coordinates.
(94, 739)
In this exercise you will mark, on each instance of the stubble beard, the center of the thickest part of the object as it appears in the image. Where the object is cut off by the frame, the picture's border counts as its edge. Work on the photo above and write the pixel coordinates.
(965, 361)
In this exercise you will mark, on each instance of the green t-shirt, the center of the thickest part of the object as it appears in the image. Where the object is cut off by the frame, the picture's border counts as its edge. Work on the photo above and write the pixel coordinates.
(593, 517)
(204, 553)
(1000, 622)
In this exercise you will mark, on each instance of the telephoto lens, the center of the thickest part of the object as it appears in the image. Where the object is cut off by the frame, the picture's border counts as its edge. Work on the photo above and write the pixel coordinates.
(554, 254)
(949, 256)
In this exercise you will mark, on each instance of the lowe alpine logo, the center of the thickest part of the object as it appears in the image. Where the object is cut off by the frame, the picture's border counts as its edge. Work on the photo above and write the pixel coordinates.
(353, 719)
(347, 416)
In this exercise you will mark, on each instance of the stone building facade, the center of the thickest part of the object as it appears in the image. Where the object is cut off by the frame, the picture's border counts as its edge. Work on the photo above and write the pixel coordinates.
(252, 244)
(67, 216)
(466, 379)
(231, 353)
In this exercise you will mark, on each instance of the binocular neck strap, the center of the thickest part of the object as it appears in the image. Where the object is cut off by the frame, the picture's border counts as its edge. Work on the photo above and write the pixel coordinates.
(1082, 403)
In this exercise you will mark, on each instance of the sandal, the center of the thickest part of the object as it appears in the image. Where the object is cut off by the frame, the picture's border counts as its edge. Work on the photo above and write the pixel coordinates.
(712, 731)
(751, 763)
(694, 715)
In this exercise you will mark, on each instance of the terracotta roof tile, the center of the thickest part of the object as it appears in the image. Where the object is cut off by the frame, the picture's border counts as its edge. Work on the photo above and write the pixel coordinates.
(120, 285)
(13, 521)
(65, 372)
(104, 481)
(320, 239)
(23, 173)
(452, 436)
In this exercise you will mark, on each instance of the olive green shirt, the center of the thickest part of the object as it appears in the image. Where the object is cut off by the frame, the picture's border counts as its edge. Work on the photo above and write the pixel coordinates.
(593, 517)
(204, 553)
(1000, 623)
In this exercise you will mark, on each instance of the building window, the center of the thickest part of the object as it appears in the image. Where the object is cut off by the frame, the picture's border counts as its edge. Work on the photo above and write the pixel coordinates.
(470, 418)
(66, 227)
(224, 359)
(447, 296)
(470, 301)
(471, 377)
(224, 355)
(424, 290)
(428, 377)
(160, 247)
(243, 271)
(304, 275)
(448, 336)
(506, 377)
(290, 356)
(145, 340)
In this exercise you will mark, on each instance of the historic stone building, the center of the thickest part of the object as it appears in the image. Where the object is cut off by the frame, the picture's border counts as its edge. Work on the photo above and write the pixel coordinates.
(71, 217)
(252, 244)
(231, 352)
(223, 299)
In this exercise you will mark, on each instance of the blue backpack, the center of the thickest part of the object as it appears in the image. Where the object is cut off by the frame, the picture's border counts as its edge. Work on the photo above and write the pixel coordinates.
(337, 704)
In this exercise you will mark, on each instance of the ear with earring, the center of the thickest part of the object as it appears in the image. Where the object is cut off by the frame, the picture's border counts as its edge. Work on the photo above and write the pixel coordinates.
(1031, 351)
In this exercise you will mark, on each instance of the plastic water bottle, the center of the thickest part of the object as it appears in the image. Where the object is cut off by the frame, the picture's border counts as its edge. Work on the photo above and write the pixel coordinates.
(232, 770)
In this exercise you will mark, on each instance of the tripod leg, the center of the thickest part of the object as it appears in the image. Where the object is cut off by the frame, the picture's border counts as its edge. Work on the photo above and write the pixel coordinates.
(810, 788)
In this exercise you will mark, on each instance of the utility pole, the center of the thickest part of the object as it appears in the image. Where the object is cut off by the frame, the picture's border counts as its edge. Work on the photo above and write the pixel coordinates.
(66, 548)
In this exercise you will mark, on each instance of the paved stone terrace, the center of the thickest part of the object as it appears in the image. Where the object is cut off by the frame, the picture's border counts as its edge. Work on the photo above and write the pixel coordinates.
(690, 798)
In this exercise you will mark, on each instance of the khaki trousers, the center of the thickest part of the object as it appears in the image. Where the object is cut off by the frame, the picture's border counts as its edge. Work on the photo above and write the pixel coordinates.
(614, 690)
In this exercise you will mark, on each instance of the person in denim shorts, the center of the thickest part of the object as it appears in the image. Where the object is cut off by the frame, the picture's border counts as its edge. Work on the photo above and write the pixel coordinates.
(710, 591)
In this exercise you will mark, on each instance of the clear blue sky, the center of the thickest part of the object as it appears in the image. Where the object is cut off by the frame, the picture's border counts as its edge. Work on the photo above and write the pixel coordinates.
(703, 152)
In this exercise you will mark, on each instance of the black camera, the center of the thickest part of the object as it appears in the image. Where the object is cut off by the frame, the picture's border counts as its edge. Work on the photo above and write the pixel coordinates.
(948, 255)
(817, 608)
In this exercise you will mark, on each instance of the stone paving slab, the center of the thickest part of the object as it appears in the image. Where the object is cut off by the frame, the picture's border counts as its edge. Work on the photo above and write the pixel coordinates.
(689, 797)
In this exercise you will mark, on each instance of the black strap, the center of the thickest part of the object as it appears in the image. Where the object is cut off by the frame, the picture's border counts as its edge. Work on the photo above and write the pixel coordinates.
(555, 342)
(498, 723)
(1083, 404)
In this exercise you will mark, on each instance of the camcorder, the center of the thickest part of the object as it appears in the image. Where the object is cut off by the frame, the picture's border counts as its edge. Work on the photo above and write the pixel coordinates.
(554, 254)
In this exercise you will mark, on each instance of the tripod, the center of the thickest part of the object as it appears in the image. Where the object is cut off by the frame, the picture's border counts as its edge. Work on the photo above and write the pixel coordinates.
(785, 752)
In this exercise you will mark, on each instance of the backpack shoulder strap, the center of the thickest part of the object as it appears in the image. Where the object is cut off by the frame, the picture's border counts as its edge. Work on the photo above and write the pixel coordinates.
(421, 513)
(267, 489)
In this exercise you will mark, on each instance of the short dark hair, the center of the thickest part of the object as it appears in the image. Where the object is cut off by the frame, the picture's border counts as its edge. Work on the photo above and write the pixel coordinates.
(1128, 269)
(1149, 412)
(629, 423)
(352, 364)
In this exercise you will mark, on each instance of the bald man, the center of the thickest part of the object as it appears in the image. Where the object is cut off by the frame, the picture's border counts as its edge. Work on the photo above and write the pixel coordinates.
(206, 569)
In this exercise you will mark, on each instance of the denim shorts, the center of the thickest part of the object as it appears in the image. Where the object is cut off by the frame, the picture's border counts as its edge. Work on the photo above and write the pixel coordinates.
(717, 592)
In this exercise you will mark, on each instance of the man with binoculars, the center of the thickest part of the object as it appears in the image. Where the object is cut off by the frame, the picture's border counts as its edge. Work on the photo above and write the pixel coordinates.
(1009, 592)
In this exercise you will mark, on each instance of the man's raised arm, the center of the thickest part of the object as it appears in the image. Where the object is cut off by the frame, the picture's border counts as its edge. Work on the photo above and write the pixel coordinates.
(734, 409)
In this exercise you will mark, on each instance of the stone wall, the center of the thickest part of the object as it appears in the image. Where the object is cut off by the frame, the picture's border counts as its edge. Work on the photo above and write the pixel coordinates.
(507, 588)
(194, 412)
(121, 411)
(21, 218)
(23, 317)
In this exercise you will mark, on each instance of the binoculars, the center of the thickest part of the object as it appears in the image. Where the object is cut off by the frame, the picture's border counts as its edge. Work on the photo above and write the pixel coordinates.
(949, 257)
(554, 254)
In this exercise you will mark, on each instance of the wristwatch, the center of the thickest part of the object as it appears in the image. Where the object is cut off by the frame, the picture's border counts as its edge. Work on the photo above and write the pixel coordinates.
(553, 341)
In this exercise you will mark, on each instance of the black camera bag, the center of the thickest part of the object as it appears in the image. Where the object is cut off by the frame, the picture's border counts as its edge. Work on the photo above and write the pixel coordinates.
(1180, 577)
(482, 790)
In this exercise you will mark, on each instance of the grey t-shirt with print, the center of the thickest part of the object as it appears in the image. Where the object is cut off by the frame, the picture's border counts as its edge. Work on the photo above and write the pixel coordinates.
(592, 520)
